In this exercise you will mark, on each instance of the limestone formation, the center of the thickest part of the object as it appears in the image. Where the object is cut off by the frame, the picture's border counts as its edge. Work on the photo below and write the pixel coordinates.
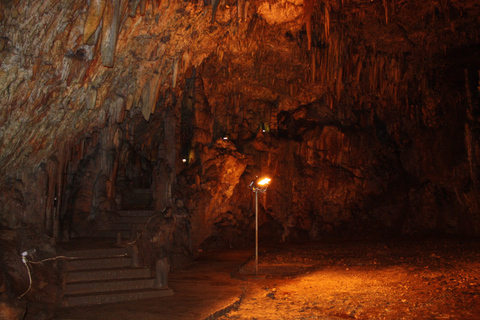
(364, 114)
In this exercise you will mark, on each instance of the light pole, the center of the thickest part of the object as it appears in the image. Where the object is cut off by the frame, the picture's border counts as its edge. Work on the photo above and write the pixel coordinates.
(259, 185)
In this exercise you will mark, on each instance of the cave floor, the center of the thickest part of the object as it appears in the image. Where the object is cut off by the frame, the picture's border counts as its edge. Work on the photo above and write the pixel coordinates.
(422, 279)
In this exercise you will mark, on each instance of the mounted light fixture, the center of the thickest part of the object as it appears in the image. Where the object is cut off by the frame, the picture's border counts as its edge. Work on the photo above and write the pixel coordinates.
(259, 185)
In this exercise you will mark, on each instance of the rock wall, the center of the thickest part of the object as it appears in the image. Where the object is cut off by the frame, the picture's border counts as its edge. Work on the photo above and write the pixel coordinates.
(365, 114)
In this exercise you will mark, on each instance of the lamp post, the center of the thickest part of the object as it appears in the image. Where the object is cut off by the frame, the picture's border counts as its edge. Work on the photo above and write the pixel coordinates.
(259, 185)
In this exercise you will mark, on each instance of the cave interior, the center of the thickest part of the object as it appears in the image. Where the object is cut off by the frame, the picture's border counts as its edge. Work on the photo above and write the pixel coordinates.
(141, 124)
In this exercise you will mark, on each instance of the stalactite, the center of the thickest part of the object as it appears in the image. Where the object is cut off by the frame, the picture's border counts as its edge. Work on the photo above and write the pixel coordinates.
(60, 191)
(52, 171)
(327, 22)
(150, 96)
(91, 97)
(307, 11)
(215, 4)
(478, 87)
(385, 5)
(118, 110)
(133, 4)
(313, 65)
(359, 70)
(186, 59)
(240, 8)
(94, 16)
(129, 102)
(93, 40)
(143, 7)
(470, 136)
(174, 72)
(111, 23)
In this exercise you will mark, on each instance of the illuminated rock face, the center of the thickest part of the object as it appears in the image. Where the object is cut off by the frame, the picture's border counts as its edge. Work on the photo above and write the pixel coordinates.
(364, 113)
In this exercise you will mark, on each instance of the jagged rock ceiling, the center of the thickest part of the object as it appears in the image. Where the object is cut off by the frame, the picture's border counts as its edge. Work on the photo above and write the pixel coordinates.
(66, 70)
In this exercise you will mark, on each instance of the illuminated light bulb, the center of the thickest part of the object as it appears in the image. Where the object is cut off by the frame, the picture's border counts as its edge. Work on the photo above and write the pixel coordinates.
(264, 181)
(225, 138)
(184, 160)
(263, 130)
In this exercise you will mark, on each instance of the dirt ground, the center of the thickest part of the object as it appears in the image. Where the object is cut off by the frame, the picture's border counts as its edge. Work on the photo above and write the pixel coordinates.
(433, 279)
(422, 279)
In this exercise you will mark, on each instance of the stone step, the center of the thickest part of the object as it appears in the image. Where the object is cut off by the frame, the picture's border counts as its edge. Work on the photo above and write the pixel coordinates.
(127, 226)
(124, 228)
(136, 213)
(138, 196)
(113, 234)
(137, 220)
(141, 190)
(108, 286)
(93, 299)
(107, 274)
(97, 253)
(99, 263)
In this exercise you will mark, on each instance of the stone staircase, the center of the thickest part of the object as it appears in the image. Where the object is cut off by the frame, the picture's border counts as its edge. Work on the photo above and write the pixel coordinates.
(141, 199)
(101, 270)
(127, 224)
(108, 275)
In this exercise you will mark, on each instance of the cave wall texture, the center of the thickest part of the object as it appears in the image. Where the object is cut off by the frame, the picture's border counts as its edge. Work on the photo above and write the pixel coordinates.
(364, 112)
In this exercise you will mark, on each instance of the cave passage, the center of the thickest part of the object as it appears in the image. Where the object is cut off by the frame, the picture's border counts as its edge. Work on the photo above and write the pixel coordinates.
(131, 132)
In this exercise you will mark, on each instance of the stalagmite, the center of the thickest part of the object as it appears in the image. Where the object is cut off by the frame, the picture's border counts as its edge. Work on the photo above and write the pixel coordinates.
(94, 16)
(111, 23)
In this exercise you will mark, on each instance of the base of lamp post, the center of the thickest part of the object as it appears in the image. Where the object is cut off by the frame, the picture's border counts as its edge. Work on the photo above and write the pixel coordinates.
(247, 277)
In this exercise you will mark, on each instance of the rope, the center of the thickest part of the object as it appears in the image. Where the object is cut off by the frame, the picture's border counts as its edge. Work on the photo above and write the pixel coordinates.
(24, 260)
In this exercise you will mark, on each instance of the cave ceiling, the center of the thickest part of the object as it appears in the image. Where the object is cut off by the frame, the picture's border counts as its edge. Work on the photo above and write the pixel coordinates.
(68, 67)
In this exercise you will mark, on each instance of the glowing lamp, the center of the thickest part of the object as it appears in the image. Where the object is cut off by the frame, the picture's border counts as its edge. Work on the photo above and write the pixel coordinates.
(259, 184)
(264, 181)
